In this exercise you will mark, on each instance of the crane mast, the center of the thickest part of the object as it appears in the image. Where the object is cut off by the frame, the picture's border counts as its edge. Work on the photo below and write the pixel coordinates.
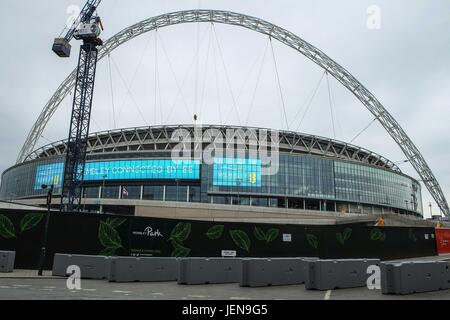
(87, 27)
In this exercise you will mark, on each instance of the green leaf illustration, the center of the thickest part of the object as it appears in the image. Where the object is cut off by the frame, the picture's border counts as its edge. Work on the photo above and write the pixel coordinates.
(30, 221)
(412, 236)
(115, 222)
(377, 234)
(259, 234)
(340, 238)
(347, 234)
(215, 232)
(272, 234)
(312, 240)
(7, 229)
(179, 250)
(344, 236)
(109, 237)
(181, 231)
(108, 252)
(241, 239)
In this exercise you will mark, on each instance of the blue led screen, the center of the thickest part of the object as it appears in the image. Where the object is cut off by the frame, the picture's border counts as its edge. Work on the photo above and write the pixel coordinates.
(237, 172)
(123, 170)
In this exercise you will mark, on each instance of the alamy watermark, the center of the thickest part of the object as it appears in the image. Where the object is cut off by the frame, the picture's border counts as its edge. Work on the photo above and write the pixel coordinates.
(373, 17)
(74, 280)
(374, 280)
(208, 144)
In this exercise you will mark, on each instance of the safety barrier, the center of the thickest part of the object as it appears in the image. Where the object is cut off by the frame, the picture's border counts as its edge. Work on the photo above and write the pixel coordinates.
(91, 267)
(274, 271)
(7, 261)
(338, 274)
(414, 277)
(209, 271)
(152, 269)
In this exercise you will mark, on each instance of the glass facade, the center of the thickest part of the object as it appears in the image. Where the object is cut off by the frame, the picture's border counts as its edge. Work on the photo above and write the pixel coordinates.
(303, 181)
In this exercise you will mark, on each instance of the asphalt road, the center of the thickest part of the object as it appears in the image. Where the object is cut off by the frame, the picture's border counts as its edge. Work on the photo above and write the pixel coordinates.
(49, 289)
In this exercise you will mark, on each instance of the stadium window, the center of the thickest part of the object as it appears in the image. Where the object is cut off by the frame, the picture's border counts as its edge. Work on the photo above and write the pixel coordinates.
(131, 192)
(153, 193)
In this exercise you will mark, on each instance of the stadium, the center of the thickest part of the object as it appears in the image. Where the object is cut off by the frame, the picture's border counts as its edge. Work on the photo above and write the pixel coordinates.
(132, 172)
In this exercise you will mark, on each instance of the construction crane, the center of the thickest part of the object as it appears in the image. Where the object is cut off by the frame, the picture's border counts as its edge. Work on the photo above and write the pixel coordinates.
(87, 27)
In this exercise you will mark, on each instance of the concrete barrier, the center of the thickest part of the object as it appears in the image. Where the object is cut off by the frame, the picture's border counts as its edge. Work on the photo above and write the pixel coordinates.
(414, 277)
(209, 271)
(274, 271)
(7, 261)
(152, 269)
(338, 274)
(91, 267)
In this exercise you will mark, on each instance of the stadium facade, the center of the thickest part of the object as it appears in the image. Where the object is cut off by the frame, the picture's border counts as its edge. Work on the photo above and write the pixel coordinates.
(134, 165)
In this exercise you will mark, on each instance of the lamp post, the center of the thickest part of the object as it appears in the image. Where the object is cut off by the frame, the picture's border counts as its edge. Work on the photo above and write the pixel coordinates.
(431, 210)
(47, 220)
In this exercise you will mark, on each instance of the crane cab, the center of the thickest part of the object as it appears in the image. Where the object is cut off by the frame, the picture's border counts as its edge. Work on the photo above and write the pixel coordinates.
(87, 31)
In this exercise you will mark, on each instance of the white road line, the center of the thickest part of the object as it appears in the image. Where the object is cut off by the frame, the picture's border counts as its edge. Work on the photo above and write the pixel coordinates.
(195, 296)
(239, 298)
(124, 292)
(21, 285)
(157, 294)
(327, 295)
(89, 290)
(49, 287)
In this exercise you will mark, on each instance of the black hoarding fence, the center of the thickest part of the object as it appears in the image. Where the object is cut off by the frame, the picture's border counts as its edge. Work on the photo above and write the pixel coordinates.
(110, 235)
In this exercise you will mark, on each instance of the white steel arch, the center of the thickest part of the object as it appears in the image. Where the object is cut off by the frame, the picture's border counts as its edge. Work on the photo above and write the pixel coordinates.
(284, 36)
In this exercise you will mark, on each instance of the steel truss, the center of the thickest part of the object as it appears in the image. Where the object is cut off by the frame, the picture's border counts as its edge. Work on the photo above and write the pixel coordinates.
(79, 128)
(284, 36)
(159, 138)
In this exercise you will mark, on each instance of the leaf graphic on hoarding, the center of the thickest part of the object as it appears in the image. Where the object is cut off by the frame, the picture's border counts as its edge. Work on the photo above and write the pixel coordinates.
(108, 252)
(109, 237)
(115, 222)
(215, 232)
(179, 250)
(412, 236)
(181, 232)
(30, 220)
(272, 234)
(259, 234)
(7, 230)
(347, 234)
(340, 238)
(312, 240)
(241, 239)
(376, 234)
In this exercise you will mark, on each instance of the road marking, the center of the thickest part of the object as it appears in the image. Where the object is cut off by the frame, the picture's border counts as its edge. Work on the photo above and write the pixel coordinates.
(124, 292)
(6, 287)
(89, 290)
(21, 285)
(157, 294)
(239, 298)
(327, 295)
(195, 296)
(49, 287)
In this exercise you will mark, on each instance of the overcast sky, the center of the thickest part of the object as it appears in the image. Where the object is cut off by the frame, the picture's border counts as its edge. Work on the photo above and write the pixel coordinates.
(405, 64)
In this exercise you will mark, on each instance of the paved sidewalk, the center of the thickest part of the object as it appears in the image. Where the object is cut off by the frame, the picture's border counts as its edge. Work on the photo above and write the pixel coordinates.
(27, 274)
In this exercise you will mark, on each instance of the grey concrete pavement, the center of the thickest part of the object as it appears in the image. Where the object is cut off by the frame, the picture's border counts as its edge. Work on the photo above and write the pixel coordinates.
(50, 289)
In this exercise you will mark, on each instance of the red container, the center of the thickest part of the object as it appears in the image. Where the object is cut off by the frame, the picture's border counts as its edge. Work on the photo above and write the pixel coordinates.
(443, 240)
